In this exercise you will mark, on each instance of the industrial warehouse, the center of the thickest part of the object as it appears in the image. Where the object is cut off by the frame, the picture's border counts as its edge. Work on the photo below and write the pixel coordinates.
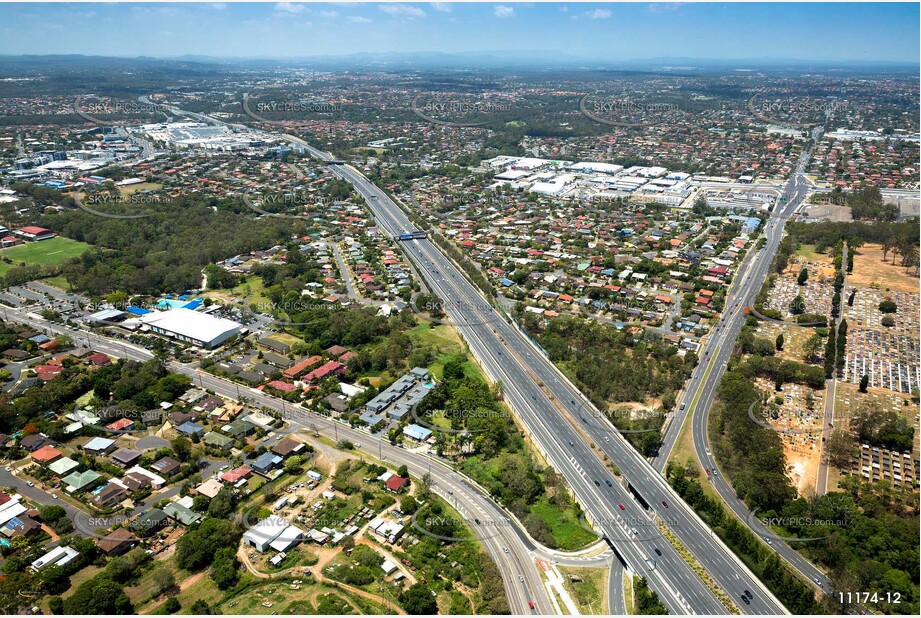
(199, 329)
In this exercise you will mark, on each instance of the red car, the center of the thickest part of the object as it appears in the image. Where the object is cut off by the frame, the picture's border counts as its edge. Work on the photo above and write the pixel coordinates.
(621, 507)
(531, 604)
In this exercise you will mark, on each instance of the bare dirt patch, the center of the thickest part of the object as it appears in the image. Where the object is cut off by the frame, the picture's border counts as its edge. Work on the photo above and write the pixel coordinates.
(871, 271)
(797, 408)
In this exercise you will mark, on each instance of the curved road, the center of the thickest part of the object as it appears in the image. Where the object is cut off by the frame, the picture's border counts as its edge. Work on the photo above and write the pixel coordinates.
(548, 404)
(699, 395)
(497, 531)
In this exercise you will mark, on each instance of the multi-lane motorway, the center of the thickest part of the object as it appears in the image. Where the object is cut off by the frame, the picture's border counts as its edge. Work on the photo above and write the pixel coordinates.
(564, 426)
(571, 434)
(699, 394)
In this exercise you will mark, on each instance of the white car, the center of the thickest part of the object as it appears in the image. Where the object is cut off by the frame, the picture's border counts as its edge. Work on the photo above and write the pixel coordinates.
(30, 484)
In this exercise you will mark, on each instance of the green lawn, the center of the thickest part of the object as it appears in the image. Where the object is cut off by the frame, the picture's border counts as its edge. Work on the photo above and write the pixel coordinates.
(564, 525)
(590, 594)
(809, 252)
(59, 282)
(52, 251)
(249, 292)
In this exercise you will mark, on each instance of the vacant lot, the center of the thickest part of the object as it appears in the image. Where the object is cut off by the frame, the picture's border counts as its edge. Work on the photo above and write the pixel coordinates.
(44, 252)
(141, 186)
(809, 252)
(248, 293)
(871, 271)
(588, 587)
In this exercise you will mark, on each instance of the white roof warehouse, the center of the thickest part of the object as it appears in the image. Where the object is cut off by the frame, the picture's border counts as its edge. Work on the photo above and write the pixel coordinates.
(193, 327)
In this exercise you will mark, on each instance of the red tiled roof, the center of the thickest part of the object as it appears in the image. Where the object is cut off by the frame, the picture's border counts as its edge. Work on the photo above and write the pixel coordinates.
(34, 229)
(120, 424)
(396, 483)
(282, 386)
(296, 370)
(232, 476)
(46, 453)
(324, 371)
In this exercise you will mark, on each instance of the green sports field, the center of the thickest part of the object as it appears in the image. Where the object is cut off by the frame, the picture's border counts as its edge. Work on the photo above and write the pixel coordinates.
(52, 251)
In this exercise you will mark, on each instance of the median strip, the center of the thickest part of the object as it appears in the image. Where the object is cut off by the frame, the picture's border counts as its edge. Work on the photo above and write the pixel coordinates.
(702, 573)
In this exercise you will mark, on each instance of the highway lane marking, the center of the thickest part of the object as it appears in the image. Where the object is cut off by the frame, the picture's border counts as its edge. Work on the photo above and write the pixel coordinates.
(530, 355)
(633, 549)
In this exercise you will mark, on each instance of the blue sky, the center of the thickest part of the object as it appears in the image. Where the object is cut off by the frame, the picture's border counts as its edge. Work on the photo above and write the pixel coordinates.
(602, 31)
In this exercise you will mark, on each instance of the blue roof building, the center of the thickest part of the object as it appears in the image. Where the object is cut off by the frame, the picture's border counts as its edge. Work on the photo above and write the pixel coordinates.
(417, 433)
(371, 419)
(265, 462)
(189, 428)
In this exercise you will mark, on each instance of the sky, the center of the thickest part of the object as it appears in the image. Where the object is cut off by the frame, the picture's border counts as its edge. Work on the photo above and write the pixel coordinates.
(598, 31)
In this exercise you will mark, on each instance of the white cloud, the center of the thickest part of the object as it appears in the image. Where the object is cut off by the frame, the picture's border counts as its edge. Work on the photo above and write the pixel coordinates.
(664, 7)
(402, 9)
(289, 7)
(355, 19)
(218, 6)
(597, 14)
(329, 14)
(441, 7)
(500, 10)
